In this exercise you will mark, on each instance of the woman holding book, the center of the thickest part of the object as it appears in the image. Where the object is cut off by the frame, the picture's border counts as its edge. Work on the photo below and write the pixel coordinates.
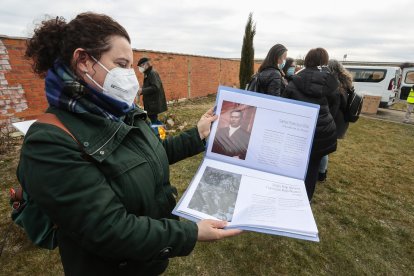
(107, 188)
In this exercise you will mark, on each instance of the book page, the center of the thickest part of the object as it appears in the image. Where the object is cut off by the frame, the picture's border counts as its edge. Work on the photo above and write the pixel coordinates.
(213, 192)
(257, 131)
(275, 202)
(247, 197)
(23, 126)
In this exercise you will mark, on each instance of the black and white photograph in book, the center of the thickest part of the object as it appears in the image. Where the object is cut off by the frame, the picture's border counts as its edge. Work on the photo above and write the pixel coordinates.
(216, 193)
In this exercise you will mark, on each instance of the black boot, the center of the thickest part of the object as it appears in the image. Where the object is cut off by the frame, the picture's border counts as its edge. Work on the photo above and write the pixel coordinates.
(322, 176)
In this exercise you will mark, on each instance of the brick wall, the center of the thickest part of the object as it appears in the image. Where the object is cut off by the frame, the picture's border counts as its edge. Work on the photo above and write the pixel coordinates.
(12, 96)
(184, 76)
(188, 76)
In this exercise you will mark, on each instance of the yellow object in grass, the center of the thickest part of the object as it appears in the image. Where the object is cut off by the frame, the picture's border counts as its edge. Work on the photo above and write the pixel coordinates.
(162, 133)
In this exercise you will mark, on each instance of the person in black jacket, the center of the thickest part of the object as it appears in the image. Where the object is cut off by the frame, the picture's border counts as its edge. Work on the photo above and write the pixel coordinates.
(289, 69)
(152, 91)
(232, 140)
(271, 79)
(315, 84)
(337, 111)
(345, 88)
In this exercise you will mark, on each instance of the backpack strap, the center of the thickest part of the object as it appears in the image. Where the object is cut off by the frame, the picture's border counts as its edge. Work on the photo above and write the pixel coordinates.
(52, 119)
(16, 194)
(46, 239)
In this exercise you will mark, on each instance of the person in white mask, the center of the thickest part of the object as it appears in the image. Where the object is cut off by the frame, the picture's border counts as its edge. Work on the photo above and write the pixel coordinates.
(120, 83)
(94, 167)
(153, 95)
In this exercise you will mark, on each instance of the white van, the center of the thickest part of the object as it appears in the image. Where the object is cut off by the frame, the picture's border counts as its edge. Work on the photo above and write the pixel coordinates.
(406, 82)
(376, 81)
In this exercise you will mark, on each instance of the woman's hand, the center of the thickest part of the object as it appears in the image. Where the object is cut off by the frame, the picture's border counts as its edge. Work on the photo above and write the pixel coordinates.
(212, 230)
(204, 123)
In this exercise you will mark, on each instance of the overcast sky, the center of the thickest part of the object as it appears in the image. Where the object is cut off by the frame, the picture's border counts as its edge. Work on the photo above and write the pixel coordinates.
(364, 30)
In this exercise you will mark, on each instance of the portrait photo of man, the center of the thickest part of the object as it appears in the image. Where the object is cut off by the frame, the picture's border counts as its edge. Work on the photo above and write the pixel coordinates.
(232, 139)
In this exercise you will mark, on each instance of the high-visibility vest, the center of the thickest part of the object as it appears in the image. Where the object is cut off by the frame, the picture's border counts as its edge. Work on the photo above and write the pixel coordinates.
(410, 98)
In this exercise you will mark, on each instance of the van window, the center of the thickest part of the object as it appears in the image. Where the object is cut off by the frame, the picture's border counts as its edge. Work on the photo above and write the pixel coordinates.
(367, 75)
(409, 78)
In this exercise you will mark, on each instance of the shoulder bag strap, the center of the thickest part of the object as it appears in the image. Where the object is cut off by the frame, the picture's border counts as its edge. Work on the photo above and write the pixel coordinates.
(16, 195)
(52, 119)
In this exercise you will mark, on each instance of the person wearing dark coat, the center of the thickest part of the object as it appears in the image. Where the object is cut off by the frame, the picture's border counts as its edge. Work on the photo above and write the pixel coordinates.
(337, 111)
(232, 140)
(345, 88)
(271, 81)
(106, 186)
(289, 69)
(152, 91)
(315, 84)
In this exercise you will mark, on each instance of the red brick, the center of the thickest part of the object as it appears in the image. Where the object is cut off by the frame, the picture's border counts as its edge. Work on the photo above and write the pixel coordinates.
(203, 74)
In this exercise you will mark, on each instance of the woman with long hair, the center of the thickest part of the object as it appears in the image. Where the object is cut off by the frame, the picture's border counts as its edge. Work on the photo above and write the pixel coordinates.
(345, 87)
(270, 80)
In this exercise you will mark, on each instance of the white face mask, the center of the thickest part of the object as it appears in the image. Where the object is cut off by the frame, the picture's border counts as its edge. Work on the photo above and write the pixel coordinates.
(120, 83)
(141, 69)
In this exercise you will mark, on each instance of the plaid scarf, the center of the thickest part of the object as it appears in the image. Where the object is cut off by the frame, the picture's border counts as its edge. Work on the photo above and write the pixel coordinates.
(64, 91)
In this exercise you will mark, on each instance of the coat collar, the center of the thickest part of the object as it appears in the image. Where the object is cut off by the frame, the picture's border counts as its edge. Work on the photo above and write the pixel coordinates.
(98, 136)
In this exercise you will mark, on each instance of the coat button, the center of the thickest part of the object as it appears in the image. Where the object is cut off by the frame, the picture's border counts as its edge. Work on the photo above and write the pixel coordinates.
(165, 253)
(86, 144)
(102, 152)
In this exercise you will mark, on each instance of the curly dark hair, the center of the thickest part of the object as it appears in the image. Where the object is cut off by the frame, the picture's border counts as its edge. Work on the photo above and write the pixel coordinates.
(341, 74)
(55, 39)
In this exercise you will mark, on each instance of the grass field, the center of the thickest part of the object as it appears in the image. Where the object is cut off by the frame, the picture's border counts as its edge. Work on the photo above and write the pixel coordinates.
(364, 212)
(399, 105)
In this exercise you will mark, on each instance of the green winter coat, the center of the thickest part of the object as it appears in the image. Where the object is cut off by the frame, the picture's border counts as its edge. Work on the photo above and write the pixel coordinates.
(112, 203)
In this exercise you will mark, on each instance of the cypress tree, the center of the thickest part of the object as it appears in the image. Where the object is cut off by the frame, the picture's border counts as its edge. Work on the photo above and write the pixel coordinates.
(247, 53)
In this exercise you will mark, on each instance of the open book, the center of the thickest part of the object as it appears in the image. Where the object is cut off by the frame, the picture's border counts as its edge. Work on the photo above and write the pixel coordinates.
(254, 168)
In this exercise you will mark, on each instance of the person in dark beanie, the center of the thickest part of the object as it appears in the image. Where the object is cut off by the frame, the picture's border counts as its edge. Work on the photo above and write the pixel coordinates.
(152, 91)
(271, 79)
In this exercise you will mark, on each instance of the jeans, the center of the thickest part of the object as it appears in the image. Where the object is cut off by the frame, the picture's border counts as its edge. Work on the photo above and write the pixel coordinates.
(323, 166)
(408, 113)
